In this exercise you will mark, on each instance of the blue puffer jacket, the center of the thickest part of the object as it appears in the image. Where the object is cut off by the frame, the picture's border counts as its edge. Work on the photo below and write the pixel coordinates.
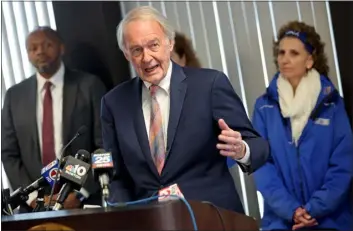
(317, 173)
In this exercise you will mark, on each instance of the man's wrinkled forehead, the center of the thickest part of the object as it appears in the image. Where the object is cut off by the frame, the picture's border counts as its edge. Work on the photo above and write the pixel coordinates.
(157, 33)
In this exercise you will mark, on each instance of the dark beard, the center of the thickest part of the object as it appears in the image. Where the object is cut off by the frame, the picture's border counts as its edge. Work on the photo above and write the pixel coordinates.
(50, 68)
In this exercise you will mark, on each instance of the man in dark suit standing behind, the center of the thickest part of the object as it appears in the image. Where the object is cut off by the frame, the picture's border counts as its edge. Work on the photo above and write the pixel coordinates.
(173, 124)
(42, 113)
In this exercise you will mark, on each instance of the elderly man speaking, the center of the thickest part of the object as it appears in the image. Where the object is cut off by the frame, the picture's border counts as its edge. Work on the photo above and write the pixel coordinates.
(173, 124)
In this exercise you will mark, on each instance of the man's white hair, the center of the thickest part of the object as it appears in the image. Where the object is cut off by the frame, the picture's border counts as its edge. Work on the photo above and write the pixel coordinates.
(144, 13)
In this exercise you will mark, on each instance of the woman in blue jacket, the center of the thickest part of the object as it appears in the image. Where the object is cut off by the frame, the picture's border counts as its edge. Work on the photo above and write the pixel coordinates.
(306, 181)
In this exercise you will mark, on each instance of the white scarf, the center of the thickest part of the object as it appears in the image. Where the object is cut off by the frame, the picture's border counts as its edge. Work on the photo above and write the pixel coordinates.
(298, 107)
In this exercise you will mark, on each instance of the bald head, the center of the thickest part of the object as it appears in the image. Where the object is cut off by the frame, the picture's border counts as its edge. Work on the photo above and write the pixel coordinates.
(45, 49)
(48, 31)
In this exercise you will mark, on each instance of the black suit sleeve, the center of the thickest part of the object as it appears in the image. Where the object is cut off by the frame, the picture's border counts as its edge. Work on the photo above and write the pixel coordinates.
(121, 185)
(10, 151)
(98, 91)
(227, 105)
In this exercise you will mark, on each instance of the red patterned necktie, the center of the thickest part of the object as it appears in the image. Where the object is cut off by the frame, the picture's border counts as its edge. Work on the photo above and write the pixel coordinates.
(156, 132)
(48, 150)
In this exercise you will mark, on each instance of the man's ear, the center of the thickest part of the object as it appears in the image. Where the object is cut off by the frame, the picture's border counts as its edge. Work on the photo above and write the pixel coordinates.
(171, 45)
(126, 55)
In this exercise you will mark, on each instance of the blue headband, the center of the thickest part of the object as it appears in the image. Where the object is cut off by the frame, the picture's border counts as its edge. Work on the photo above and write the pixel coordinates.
(302, 37)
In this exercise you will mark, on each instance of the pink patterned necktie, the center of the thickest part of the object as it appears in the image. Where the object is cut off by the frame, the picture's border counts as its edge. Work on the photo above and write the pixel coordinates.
(156, 132)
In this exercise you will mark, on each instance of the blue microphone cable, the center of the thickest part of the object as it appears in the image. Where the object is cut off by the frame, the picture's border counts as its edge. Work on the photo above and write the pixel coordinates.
(142, 201)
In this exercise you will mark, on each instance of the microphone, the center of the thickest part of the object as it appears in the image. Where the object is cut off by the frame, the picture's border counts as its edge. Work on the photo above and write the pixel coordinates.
(5, 204)
(73, 175)
(79, 132)
(47, 174)
(51, 170)
(102, 169)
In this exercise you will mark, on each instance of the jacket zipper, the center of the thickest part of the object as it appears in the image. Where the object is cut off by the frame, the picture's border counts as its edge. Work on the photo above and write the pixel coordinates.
(300, 176)
(313, 116)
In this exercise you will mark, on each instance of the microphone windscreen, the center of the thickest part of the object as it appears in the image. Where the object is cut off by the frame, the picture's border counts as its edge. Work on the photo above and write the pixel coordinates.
(83, 155)
(82, 130)
(99, 150)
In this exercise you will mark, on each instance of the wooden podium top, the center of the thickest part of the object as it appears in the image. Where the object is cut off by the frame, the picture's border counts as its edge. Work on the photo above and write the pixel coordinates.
(169, 215)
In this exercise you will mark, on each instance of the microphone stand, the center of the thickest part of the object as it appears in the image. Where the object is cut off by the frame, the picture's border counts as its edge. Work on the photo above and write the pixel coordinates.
(60, 161)
(104, 202)
(40, 201)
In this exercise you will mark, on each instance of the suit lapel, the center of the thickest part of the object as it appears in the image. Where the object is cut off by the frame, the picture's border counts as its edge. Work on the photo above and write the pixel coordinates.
(178, 89)
(69, 101)
(32, 115)
(140, 125)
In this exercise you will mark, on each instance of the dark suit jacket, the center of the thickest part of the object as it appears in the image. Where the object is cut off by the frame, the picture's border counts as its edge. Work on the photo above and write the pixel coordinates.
(19, 142)
(198, 98)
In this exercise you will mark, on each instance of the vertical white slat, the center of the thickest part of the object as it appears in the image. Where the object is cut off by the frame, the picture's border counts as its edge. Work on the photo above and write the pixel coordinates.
(123, 13)
(338, 73)
(31, 14)
(51, 15)
(177, 16)
(238, 64)
(42, 14)
(203, 24)
(164, 12)
(220, 39)
(299, 13)
(4, 65)
(122, 9)
(243, 10)
(313, 12)
(306, 13)
(273, 21)
(22, 32)
(262, 54)
(190, 24)
(6, 59)
(12, 39)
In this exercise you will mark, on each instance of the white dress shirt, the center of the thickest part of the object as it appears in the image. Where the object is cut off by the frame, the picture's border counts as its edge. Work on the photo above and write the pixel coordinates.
(163, 98)
(57, 88)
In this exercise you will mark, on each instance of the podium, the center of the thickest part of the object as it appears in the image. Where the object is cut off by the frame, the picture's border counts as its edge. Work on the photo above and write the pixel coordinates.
(169, 215)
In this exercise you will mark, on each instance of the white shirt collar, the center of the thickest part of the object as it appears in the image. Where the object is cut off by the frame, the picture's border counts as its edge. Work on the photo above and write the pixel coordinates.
(165, 82)
(57, 79)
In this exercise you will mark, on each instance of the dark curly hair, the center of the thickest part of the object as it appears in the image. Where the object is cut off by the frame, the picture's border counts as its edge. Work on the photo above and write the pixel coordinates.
(312, 38)
(182, 47)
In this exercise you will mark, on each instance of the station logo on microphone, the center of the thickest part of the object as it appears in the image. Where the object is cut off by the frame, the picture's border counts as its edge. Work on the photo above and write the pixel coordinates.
(102, 160)
(77, 171)
(49, 166)
(52, 174)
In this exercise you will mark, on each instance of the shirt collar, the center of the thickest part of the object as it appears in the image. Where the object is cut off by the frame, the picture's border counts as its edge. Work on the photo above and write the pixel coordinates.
(165, 82)
(57, 79)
